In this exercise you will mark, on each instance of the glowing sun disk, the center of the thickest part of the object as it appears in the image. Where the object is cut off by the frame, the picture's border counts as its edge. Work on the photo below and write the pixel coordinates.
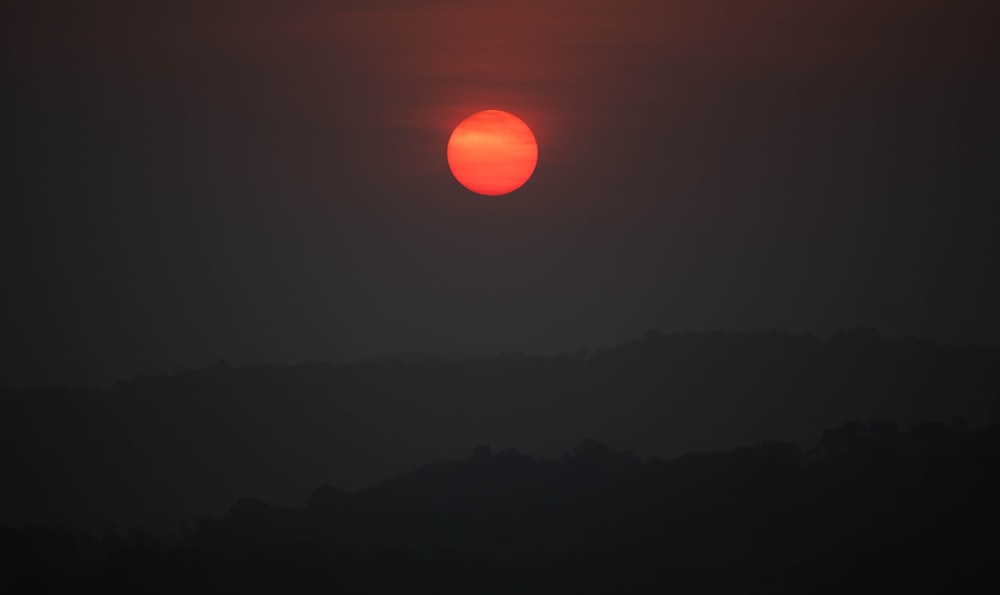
(492, 153)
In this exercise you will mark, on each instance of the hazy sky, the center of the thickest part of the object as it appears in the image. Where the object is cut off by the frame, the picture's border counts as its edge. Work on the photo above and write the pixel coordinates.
(266, 181)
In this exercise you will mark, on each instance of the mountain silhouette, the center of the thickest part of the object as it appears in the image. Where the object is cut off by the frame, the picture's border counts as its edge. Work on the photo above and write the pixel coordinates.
(160, 451)
(872, 509)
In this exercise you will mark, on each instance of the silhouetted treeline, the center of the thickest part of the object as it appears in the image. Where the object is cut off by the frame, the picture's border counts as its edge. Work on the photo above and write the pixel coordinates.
(159, 451)
(870, 509)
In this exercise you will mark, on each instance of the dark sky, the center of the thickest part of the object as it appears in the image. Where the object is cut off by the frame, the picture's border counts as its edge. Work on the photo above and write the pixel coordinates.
(266, 181)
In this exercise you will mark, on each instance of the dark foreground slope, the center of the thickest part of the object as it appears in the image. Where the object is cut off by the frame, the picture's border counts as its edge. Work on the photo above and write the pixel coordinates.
(870, 510)
(159, 451)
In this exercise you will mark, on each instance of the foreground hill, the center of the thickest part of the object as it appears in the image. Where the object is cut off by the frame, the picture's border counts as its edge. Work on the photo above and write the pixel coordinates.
(872, 509)
(160, 451)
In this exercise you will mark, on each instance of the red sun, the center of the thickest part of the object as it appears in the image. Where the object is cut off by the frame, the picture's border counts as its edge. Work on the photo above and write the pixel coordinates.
(492, 152)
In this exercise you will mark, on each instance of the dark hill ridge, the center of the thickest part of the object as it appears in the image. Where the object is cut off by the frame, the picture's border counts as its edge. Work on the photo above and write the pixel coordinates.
(511, 506)
(871, 509)
(160, 451)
